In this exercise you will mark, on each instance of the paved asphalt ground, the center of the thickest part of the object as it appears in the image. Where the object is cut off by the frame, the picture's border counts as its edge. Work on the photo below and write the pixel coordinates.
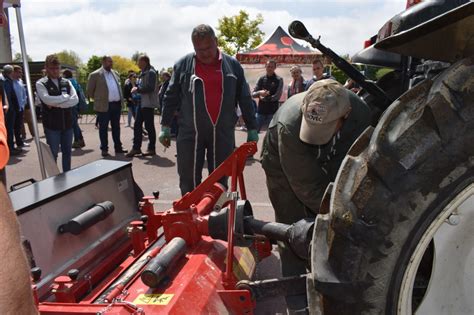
(159, 173)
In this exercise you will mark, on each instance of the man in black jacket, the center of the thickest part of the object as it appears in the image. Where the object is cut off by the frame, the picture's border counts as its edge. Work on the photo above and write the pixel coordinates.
(58, 97)
(268, 91)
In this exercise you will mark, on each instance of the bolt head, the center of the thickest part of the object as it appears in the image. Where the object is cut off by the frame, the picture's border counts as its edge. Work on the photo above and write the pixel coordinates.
(454, 219)
(73, 274)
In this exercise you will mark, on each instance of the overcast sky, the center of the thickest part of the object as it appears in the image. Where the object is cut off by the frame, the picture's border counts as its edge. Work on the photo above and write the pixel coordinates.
(162, 28)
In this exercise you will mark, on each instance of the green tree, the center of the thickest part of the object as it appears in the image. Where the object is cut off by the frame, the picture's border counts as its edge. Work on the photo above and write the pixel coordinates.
(82, 75)
(169, 69)
(94, 63)
(371, 72)
(340, 76)
(337, 73)
(137, 54)
(239, 33)
(163, 69)
(69, 57)
(381, 72)
(122, 65)
(18, 58)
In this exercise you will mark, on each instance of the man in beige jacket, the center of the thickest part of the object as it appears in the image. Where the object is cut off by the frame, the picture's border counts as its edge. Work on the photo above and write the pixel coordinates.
(104, 87)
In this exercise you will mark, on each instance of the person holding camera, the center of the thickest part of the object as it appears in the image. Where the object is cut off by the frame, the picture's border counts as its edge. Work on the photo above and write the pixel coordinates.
(268, 91)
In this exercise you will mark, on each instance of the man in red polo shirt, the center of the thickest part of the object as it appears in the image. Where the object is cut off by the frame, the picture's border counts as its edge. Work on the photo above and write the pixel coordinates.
(205, 89)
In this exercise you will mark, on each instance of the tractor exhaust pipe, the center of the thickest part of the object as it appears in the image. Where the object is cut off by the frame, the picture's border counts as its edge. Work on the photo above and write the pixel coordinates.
(299, 31)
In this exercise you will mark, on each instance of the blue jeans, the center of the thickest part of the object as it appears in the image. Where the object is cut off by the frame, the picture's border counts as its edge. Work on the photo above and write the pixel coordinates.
(132, 113)
(10, 117)
(75, 124)
(13, 122)
(112, 116)
(63, 138)
(263, 120)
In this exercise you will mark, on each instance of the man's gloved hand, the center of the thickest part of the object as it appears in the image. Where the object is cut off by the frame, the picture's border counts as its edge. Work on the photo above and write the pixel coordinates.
(252, 135)
(165, 136)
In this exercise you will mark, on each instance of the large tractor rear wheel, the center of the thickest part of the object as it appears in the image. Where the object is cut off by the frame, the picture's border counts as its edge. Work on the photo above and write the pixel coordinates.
(399, 236)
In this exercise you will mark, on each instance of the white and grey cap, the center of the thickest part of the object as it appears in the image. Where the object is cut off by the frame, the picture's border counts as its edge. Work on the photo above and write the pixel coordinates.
(325, 103)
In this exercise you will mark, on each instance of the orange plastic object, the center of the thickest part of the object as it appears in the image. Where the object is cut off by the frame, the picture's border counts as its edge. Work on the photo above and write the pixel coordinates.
(4, 151)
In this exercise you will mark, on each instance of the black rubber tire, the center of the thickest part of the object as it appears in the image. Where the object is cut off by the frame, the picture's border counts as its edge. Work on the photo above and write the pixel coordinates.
(391, 84)
(389, 190)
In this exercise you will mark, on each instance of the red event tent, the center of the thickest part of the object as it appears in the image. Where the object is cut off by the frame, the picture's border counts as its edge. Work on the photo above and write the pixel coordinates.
(281, 48)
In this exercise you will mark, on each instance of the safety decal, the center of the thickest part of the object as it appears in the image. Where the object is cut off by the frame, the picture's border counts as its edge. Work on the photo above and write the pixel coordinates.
(243, 264)
(153, 299)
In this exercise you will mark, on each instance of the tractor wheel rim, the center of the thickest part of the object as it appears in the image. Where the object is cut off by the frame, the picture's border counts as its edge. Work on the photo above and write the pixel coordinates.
(451, 285)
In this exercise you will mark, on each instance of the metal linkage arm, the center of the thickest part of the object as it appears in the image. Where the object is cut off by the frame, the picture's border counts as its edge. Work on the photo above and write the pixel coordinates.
(239, 156)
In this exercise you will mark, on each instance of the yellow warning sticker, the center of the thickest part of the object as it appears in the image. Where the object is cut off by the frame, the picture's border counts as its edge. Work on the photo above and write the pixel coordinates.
(244, 263)
(153, 299)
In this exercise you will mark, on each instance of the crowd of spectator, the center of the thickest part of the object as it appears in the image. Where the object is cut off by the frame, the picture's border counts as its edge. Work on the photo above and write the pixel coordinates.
(143, 95)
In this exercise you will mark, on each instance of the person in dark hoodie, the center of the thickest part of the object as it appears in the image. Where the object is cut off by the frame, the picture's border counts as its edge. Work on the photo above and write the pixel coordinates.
(147, 88)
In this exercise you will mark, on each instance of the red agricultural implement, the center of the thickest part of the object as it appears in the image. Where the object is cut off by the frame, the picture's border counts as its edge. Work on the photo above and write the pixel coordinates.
(92, 261)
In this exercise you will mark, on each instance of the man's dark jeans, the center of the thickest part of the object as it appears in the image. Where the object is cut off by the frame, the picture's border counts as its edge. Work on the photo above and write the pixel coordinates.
(60, 139)
(13, 119)
(75, 124)
(263, 120)
(147, 116)
(112, 116)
